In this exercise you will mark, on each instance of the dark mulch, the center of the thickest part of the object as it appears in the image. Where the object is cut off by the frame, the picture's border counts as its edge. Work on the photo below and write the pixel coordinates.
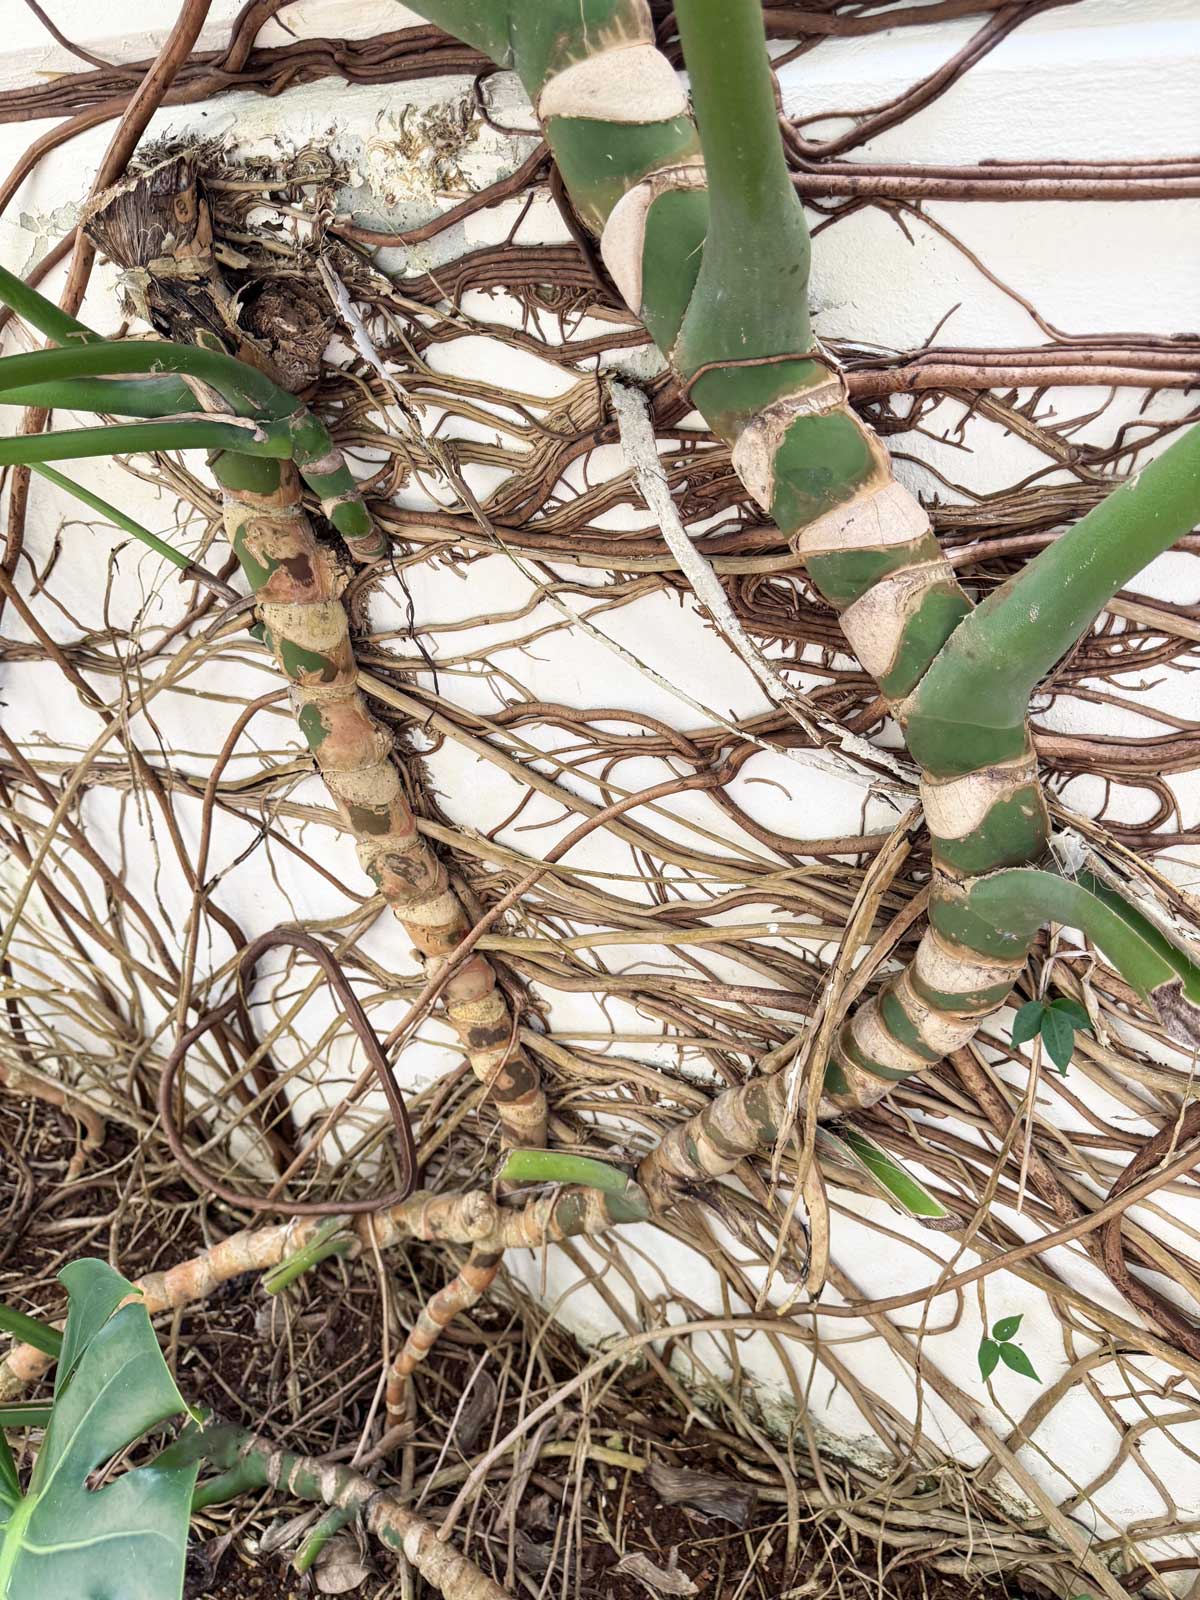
(237, 1579)
(307, 1372)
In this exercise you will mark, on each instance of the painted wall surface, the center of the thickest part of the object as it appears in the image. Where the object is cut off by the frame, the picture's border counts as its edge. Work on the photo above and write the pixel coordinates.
(1106, 78)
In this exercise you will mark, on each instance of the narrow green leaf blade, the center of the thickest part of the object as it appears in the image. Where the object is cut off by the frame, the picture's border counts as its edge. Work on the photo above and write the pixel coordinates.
(41, 313)
(889, 1177)
(1007, 1327)
(1013, 1356)
(1027, 1022)
(989, 1355)
(1058, 1035)
(25, 1414)
(112, 514)
(30, 1331)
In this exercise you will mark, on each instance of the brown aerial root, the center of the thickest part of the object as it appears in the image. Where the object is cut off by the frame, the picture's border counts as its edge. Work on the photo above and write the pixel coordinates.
(1178, 1132)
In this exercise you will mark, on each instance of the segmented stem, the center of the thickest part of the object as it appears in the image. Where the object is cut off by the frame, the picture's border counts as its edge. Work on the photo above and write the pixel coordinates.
(255, 1462)
(298, 588)
(465, 1289)
(711, 250)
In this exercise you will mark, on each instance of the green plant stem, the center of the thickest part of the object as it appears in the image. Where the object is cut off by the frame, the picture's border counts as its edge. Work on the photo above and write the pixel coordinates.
(1170, 953)
(265, 439)
(334, 1520)
(549, 1166)
(41, 313)
(750, 299)
(1019, 902)
(244, 388)
(113, 397)
(329, 1238)
(972, 703)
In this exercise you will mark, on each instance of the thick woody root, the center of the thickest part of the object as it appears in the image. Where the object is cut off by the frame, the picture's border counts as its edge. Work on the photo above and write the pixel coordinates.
(393, 1524)
(548, 1219)
(740, 1122)
(299, 587)
(464, 1290)
(473, 1218)
(252, 1251)
(307, 628)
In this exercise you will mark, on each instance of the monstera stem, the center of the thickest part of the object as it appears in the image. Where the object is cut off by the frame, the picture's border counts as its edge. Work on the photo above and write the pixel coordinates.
(298, 587)
(248, 1462)
(702, 232)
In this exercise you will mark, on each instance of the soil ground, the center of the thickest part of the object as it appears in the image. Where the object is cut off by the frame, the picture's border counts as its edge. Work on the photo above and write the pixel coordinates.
(306, 1373)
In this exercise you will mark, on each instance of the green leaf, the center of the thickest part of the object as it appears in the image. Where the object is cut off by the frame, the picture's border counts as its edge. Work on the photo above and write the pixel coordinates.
(1072, 1009)
(10, 1487)
(1058, 1035)
(989, 1354)
(842, 1142)
(30, 1331)
(1007, 1326)
(1027, 1021)
(25, 1414)
(1013, 1356)
(94, 1291)
(125, 1541)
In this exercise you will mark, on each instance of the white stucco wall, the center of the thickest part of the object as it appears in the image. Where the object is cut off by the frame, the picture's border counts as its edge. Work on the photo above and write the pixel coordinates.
(1106, 78)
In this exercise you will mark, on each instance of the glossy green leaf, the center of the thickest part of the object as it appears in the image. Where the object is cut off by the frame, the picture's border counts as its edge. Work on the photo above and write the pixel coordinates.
(1007, 1327)
(125, 1541)
(30, 1331)
(92, 1295)
(1013, 1356)
(1027, 1022)
(989, 1355)
(1073, 1010)
(1058, 1035)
